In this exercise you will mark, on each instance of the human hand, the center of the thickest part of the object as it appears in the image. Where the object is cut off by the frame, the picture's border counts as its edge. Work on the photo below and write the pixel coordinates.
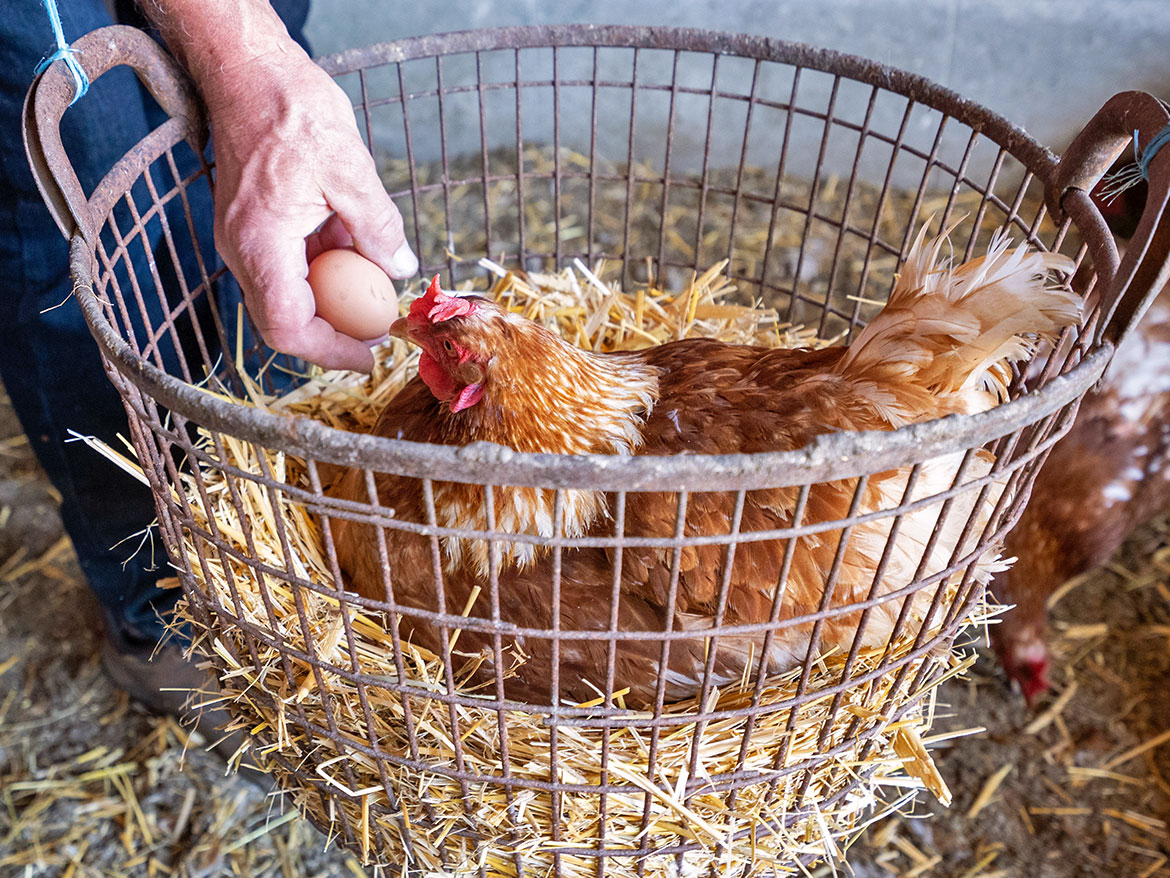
(293, 178)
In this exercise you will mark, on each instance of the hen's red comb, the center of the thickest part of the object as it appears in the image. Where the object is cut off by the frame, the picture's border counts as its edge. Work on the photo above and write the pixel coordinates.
(435, 306)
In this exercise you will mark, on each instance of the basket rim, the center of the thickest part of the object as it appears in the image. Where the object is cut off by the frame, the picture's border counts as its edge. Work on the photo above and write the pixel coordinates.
(830, 456)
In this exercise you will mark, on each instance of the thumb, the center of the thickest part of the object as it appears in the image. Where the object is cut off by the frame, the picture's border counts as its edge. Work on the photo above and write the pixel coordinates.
(373, 221)
(271, 268)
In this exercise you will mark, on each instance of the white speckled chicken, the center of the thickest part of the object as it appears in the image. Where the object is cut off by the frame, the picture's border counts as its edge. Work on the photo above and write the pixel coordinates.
(942, 345)
(1109, 474)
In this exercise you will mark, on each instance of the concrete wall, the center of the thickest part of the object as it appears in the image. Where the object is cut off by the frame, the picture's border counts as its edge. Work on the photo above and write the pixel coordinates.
(1044, 64)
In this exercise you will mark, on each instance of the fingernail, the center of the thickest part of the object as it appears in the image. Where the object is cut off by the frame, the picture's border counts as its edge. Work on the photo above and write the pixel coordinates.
(403, 263)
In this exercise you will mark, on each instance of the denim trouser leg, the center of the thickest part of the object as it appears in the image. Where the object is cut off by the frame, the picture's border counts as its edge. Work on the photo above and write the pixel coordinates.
(48, 361)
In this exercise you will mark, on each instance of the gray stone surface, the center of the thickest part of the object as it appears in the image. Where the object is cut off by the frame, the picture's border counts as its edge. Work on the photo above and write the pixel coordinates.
(1045, 64)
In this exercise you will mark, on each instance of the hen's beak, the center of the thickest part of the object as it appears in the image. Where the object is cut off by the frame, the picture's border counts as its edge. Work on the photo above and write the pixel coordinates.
(399, 329)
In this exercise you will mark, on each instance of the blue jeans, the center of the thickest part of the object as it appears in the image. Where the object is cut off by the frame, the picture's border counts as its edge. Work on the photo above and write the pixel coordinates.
(48, 361)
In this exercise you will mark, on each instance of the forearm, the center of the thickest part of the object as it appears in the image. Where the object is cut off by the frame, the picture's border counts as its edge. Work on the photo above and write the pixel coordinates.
(211, 38)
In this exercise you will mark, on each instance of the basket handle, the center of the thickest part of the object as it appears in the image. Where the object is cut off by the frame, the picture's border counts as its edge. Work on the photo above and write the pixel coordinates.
(1131, 283)
(52, 92)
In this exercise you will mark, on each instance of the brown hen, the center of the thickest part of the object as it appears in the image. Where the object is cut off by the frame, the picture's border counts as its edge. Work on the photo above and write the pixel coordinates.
(942, 345)
(1108, 474)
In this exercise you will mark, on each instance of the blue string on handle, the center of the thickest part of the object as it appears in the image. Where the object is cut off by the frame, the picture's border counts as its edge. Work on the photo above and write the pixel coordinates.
(1151, 150)
(1139, 170)
(64, 50)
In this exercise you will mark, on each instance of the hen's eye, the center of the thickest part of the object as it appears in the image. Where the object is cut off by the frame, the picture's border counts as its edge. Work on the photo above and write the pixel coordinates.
(448, 346)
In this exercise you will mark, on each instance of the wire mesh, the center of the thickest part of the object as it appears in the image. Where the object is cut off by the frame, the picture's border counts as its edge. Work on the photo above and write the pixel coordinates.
(661, 152)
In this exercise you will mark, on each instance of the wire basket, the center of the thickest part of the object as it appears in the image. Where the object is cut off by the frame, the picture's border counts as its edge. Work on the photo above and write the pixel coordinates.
(663, 152)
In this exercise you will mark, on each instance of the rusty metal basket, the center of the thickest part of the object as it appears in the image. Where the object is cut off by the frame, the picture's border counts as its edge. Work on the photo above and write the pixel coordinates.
(535, 145)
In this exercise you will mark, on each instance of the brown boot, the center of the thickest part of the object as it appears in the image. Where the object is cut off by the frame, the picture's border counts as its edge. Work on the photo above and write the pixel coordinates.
(166, 683)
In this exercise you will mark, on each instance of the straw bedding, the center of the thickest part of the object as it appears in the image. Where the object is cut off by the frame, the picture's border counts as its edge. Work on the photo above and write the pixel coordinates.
(442, 825)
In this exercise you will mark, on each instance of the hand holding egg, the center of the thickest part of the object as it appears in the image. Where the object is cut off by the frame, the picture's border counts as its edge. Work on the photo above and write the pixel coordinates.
(294, 179)
(353, 295)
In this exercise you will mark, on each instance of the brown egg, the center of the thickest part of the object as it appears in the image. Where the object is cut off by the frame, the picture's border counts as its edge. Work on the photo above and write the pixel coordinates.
(353, 294)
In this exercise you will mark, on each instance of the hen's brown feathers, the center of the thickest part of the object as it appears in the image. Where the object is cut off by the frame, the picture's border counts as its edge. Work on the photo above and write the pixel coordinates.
(942, 346)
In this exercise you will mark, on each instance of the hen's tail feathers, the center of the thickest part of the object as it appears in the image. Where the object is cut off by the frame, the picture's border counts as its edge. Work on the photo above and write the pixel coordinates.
(955, 331)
